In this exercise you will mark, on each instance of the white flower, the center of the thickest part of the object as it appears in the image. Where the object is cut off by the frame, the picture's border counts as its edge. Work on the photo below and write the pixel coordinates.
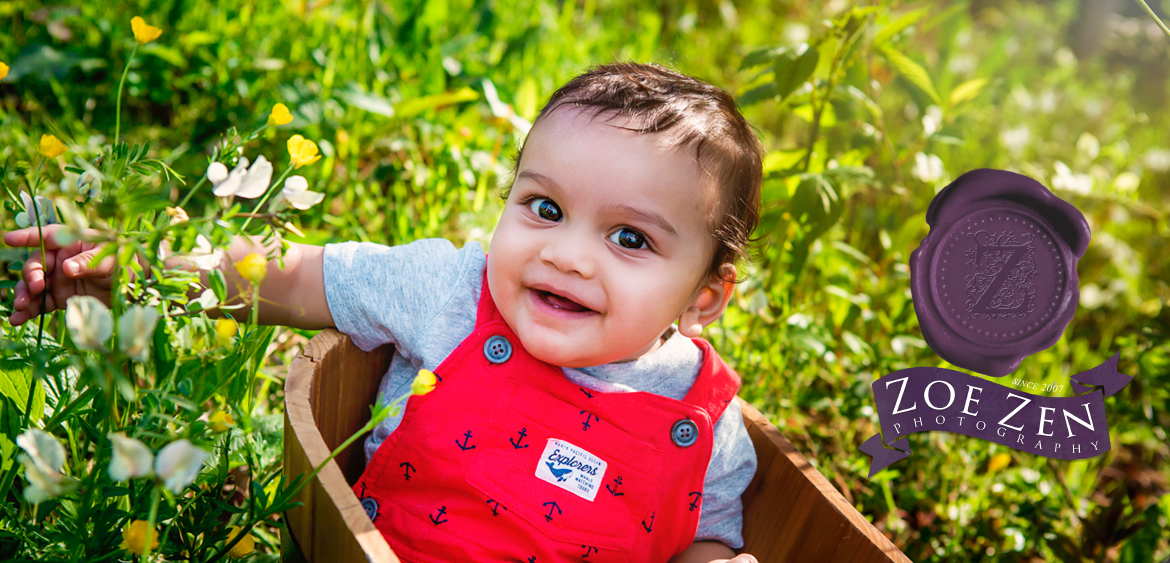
(42, 466)
(1157, 160)
(1065, 179)
(178, 463)
(1016, 139)
(928, 168)
(207, 300)
(242, 181)
(932, 121)
(44, 209)
(135, 329)
(502, 110)
(89, 321)
(89, 184)
(296, 192)
(203, 257)
(131, 458)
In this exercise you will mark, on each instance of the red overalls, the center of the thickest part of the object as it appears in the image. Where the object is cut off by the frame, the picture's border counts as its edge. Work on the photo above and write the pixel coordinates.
(507, 460)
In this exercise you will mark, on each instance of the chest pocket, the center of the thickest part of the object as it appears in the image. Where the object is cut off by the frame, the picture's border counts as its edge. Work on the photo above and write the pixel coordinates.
(573, 477)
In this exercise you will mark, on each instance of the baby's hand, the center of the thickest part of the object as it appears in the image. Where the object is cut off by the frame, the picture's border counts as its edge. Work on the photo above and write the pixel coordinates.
(64, 269)
(741, 558)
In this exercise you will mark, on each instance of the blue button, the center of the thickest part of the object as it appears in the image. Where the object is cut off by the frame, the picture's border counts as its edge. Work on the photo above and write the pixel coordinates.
(497, 349)
(684, 433)
(371, 507)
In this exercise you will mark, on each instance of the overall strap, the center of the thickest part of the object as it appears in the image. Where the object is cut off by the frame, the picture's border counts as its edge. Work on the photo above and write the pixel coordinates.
(716, 385)
(487, 311)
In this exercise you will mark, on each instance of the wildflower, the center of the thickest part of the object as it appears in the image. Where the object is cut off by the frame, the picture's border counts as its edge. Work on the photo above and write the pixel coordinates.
(928, 168)
(296, 192)
(220, 421)
(302, 151)
(253, 268)
(243, 181)
(89, 321)
(42, 466)
(424, 382)
(207, 300)
(203, 257)
(279, 115)
(131, 458)
(178, 463)
(89, 184)
(51, 146)
(143, 32)
(178, 215)
(135, 329)
(244, 547)
(225, 329)
(134, 537)
(39, 207)
(998, 461)
(503, 111)
(3, 71)
(1066, 179)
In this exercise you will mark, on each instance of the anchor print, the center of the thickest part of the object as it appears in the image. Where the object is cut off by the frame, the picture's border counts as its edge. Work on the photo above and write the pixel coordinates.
(588, 549)
(588, 417)
(368, 504)
(408, 467)
(464, 446)
(649, 528)
(550, 511)
(495, 504)
(558, 473)
(532, 559)
(516, 443)
(695, 503)
(438, 517)
(616, 481)
(587, 393)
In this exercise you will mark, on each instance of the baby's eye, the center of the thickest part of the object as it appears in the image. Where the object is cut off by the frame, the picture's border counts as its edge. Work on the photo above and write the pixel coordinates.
(545, 209)
(628, 238)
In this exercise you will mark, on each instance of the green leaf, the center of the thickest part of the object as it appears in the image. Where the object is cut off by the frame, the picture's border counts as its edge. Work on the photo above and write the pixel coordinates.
(759, 93)
(891, 29)
(355, 96)
(912, 71)
(762, 56)
(793, 68)
(415, 106)
(967, 91)
(218, 284)
(14, 384)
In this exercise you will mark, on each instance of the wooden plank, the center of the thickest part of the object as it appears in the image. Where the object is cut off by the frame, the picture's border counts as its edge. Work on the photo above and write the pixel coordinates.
(792, 513)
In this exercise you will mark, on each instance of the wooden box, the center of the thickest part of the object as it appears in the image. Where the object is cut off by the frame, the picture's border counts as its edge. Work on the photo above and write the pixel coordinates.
(791, 512)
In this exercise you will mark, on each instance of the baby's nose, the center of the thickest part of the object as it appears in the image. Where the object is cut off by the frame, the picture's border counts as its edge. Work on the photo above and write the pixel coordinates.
(570, 256)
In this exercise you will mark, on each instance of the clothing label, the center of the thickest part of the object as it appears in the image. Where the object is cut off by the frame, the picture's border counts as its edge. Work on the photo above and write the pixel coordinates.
(571, 468)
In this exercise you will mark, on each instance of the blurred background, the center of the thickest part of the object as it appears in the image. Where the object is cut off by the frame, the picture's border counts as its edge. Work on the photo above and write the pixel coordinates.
(867, 110)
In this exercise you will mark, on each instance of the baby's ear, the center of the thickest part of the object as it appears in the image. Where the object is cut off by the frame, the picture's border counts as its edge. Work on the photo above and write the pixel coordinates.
(709, 303)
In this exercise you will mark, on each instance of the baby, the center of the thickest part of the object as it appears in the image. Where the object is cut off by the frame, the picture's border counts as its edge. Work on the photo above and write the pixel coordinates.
(577, 412)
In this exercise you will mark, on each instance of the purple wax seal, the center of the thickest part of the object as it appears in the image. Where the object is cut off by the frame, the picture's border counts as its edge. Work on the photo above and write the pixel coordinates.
(996, 278)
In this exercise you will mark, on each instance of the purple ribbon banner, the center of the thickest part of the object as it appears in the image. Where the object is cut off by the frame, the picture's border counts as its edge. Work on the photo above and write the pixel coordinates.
(927, 399)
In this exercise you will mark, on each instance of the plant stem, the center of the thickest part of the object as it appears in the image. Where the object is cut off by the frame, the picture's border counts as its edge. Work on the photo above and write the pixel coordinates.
(1155, 16)
(150, 522)
(118, 103)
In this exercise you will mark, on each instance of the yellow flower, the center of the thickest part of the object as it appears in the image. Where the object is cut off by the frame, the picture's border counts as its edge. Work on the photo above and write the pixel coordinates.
(51, 146)
(302, 151)
(225, 329)
(253, 268)
(134, 537)
(279, 115)
(243, 548)
(424, 382)
(3, 71)
(144, 33)
(998, 461)
(221, 421)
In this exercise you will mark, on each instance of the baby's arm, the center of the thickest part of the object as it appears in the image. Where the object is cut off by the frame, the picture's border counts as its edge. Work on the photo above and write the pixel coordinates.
(711, 552)
(301, 277)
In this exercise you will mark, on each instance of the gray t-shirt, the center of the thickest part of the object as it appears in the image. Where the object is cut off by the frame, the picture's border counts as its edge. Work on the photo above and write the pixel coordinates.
(422, 297)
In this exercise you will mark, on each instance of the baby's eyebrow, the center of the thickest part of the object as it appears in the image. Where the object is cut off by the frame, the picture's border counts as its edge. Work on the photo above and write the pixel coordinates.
(647, 216)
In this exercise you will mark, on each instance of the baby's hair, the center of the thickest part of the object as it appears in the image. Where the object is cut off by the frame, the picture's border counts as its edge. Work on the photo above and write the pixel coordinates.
(695, 114)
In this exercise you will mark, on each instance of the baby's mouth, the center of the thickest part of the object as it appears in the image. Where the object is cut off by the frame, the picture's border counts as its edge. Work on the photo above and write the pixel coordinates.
(558, 302)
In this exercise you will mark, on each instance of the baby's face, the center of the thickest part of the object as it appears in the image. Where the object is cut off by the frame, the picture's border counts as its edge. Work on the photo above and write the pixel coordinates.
(603, 243)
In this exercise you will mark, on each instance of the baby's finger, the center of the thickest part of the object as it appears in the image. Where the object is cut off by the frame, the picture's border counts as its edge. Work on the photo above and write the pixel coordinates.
(33, 310)
(79, 265)
(30, 237)
(36, 268)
